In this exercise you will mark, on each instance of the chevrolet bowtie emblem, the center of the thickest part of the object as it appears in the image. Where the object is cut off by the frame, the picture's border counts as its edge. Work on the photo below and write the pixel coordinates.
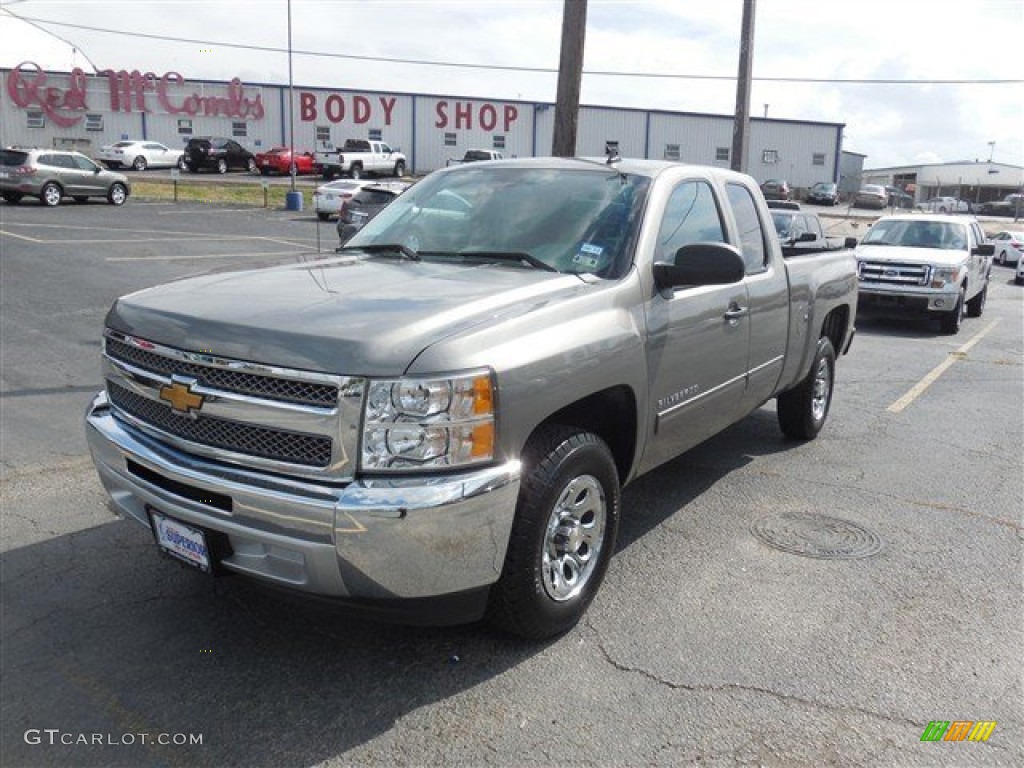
(181, 397)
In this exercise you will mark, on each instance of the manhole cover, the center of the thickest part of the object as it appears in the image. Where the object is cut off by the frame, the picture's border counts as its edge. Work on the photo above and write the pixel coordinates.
(810, 535)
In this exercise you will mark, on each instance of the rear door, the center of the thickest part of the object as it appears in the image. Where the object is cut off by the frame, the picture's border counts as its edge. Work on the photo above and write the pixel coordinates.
(698, 338)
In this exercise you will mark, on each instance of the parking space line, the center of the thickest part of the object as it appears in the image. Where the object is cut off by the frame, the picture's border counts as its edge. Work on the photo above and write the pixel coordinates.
(21, 237)
(213, 256)
(932, 376)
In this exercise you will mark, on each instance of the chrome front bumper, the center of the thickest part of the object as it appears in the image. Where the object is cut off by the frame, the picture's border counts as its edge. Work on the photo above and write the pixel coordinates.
(931, 299)
(369, 540)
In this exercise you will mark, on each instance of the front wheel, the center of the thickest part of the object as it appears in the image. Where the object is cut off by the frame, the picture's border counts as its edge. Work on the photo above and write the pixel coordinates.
(182, 165)
(563, 535)
(118, 194)
(950, 322)
(977, 305)
(802, 411)
(222, 166)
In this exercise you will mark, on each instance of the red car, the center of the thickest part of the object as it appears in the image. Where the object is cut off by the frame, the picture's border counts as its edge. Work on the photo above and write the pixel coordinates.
(278, 160)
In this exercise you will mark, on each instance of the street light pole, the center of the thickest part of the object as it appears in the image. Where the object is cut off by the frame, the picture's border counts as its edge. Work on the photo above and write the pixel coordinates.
(291, 104)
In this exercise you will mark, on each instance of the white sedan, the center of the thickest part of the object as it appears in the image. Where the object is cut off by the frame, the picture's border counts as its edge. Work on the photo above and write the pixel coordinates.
(946, 205)
(1009, 247)
(140, 155)
(329, 198)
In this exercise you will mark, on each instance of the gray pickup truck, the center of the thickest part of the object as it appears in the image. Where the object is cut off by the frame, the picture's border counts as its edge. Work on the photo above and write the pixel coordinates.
(435, 424)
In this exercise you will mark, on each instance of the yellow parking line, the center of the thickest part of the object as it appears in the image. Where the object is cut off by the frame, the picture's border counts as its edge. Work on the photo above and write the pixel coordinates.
(930, 378)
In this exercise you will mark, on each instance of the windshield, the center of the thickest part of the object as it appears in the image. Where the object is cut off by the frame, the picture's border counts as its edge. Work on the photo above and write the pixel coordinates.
(574, 221)
(947, 236)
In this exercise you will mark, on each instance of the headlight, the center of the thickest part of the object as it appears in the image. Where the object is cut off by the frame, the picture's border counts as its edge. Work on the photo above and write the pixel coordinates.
(411, 424)
(943, 275)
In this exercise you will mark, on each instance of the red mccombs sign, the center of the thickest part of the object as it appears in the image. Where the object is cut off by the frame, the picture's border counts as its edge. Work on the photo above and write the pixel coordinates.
(27, 86)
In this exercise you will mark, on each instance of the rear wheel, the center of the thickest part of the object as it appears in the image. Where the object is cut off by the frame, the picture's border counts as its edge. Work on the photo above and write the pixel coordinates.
(251, 165)
(563, 535)
(12, 197)
(118, 194)
(950, 322)
(1001, 259)
(50, 194)
(356, 172)
(802, 411)
(222, 166)
(182, 165)
(977, 305)
(399, 169)
(139, 164)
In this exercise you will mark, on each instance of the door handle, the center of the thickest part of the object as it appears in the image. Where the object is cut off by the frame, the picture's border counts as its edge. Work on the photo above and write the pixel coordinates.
(735, 312)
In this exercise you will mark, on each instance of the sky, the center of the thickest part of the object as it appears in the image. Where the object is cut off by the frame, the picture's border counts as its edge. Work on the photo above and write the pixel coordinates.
(637, 54)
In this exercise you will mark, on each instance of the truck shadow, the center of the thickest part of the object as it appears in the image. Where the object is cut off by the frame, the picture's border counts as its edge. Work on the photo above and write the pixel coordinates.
(908, 326)
(102, 635)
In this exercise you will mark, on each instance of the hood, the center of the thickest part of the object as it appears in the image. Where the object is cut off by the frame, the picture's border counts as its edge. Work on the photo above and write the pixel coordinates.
(903, 254)
(348, 316)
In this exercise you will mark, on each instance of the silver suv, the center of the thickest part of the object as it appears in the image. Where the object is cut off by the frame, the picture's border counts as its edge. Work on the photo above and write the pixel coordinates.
(51, 174)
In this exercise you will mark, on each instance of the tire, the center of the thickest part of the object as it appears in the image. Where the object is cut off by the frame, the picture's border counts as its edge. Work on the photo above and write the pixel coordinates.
(50, 194)
(399, 169)
(139, 163)
(182, 165)
(977, 305)
(356, 172)
(13, 198)
(251, 165)
(563, 535)
(323, 216)
(802, 411)
(1001, 259)
(950, 322)
(118, 194)
(222, 166)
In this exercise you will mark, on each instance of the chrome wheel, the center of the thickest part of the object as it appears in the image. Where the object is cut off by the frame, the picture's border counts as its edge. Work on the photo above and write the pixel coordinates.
(117, 195)
(51, 194)
(575, 535)
(139, 164)
(822, 389)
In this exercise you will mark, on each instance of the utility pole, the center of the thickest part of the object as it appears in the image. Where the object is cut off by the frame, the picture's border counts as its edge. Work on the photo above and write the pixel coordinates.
(570, 74)
(741, 122)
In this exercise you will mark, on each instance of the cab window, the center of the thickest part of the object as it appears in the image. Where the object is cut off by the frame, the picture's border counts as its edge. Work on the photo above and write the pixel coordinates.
(751, 233)
(691, 216)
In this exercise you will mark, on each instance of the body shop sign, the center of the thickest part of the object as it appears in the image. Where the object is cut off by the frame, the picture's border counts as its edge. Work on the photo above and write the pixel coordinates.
(29, 87)
(450, 115)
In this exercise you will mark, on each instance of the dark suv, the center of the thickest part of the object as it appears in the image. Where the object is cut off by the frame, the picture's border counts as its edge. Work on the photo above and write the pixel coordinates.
(219, 154)
(364, 205)
(51, 174)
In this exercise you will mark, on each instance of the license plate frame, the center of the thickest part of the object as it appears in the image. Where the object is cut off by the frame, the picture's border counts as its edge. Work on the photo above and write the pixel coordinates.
(184, 542)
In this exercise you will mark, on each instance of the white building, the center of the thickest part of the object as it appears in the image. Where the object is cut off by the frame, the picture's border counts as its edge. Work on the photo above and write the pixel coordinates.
(977, 182)
(61, 109)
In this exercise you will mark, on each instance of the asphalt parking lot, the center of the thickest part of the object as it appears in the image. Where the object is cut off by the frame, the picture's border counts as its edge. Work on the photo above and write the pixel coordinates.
(704, 646)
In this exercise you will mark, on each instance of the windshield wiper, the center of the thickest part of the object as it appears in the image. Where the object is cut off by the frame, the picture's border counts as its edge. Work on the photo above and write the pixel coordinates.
(398, 248)
(518, 257)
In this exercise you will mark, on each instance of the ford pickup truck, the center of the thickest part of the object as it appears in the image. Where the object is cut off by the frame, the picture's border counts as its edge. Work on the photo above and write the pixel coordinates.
(937, 265)
(436, 423)
(358, 157)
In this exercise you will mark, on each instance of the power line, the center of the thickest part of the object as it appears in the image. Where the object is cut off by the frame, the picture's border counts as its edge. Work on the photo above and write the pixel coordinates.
(505, 67)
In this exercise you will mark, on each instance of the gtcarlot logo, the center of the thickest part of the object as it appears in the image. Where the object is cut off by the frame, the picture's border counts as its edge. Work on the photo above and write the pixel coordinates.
(54, 736)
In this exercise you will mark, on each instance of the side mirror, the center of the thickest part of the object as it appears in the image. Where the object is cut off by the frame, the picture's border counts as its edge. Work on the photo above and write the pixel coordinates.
(699, 264)
(807, 237)
(850, 242)
(985, 249)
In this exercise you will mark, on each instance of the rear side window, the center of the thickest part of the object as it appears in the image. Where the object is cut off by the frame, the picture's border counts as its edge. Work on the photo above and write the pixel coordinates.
(691, 216)
(12, 158)
(751, 233)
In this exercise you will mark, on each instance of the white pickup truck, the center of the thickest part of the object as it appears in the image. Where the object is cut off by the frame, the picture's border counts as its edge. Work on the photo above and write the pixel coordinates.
(477, 155)
(360, 156)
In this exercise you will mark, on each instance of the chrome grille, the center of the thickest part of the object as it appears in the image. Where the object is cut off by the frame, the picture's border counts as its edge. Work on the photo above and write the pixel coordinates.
(894, 274)
(274, 444)
(280, 389)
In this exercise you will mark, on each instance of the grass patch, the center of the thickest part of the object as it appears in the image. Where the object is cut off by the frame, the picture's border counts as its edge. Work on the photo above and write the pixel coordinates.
(235, 193)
